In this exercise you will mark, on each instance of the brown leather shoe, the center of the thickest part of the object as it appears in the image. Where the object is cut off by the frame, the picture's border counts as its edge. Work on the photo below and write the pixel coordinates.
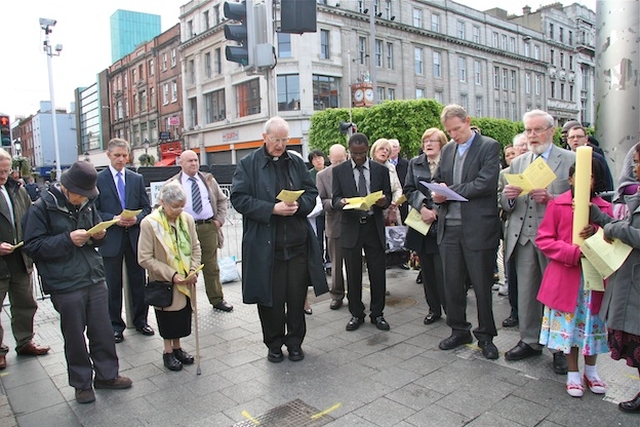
(31, 349)
(3, 362)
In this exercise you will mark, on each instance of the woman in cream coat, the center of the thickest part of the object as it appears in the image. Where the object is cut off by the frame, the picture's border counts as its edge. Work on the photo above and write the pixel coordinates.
(169, 250)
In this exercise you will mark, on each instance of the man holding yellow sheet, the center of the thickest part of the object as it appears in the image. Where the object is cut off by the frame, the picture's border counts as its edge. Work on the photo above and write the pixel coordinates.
(525, 211)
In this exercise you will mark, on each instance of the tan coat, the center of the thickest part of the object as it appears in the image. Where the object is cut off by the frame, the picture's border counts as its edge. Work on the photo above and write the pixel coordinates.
(153, 257)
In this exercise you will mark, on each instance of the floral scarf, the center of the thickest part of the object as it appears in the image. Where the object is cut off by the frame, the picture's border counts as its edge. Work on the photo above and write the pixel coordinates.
(176, 242)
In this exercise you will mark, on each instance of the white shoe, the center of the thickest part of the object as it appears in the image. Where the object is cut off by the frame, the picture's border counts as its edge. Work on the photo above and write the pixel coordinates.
(596, 385)
(503, 290)
(575, 390)
(496, 286)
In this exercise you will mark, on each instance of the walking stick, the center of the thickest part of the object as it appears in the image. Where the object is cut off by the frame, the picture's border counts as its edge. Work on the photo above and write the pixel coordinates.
(194, 305)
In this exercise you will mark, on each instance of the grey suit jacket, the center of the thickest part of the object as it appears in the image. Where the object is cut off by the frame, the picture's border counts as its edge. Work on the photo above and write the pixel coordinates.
(324, 182)
(560, 160)
(480, 221)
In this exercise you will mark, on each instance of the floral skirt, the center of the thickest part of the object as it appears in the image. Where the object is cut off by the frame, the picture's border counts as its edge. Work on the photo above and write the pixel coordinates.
(582, 329)
(625, 346)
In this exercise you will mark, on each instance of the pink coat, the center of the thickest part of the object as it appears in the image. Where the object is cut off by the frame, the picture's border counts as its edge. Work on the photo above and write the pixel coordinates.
(561, 280)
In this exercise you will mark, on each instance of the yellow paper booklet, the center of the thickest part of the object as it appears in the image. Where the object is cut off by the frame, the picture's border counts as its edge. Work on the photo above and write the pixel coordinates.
(126, 214)
(17, 245)
(537, 175)
(194, 272)
(414, 220)
(605, 257)
(363, 203)
(401, 200)
(102, 226)
(289, 196)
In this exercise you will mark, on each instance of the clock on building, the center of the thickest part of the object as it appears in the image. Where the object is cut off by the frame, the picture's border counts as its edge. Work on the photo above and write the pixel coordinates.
(368, 95)
(358, 95)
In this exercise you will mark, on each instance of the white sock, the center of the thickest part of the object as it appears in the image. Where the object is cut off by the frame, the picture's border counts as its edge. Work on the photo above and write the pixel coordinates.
(574, 377)
(591, 372)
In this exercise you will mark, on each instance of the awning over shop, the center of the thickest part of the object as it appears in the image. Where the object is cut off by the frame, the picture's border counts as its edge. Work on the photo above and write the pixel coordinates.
(166, 162)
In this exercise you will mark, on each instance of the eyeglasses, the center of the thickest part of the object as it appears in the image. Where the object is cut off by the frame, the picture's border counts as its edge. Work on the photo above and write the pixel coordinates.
(279, 140)
(536, 131)
(576, 137)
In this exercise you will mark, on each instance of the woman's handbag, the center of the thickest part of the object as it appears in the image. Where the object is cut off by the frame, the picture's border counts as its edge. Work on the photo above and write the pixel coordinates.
(158, 294)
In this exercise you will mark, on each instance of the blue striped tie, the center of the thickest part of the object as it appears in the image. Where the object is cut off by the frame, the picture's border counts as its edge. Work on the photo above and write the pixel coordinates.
(196, 198)
(121, 189)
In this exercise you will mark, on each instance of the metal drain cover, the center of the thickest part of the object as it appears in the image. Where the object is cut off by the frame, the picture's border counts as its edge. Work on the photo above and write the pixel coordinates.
(400, 302)
(293, 414)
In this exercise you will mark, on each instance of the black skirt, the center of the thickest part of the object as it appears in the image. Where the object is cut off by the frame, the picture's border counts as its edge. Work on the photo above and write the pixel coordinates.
(174, 324)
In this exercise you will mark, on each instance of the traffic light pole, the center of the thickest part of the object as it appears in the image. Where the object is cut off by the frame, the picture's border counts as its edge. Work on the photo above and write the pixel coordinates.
(48, 51)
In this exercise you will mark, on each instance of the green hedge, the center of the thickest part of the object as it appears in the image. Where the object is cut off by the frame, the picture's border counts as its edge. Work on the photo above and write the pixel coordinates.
(404, 120)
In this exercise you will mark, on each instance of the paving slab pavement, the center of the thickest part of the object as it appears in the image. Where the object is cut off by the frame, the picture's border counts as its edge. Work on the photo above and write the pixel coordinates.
(361, 378)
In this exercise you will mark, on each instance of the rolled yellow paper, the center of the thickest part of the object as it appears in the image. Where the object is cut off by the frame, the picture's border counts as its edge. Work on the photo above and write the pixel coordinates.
(582, 191)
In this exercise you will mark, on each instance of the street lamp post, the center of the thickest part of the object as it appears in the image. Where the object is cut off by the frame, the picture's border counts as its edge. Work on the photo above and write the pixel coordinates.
(47, 25)
(145, 145)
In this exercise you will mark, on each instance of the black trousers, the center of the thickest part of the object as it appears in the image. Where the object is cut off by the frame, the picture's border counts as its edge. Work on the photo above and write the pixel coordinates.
(512, 286)
(135, 274)
(284, 322)
(374, 255)
(459, 262)
(433, 282)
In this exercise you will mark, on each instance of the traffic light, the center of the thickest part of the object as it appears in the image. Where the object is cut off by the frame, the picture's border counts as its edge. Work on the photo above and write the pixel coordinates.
(242, 32)
(5, 130)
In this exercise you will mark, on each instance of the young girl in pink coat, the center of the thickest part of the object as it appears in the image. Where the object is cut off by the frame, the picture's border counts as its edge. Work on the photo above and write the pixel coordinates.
(570, 322)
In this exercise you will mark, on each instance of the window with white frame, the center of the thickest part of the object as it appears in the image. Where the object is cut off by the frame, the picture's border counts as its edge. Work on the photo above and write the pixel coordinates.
(505, 112)
(479, 108)
(214, 106)
(387, 9)
(193, 112)
(284, 45)
(325, 92)
(390, 64)
(417, 17)
(218, 61)
(362, 49)
(435, 22)
(513, 80)
(536, 51)
(537, 84)
(164, 61)
(438, 95)
(527, 83)
(391, 94)
(151, 70)
(378, 46)
(495, 37)
(460, 30)
(475, 34)
(514, 112)
(248, 97)
(437, 64)
(289, 92)
(381, 90)
(207, 64)
(505, 79)
(418, 63)
(512, 44)
(419, 93)
(477, 70)
(496, 77)
(503, 46)
(174, 91)
(462, 68)
(173, 57)
(165, 94)
(527, 50)
(324, 44)
(464, 101)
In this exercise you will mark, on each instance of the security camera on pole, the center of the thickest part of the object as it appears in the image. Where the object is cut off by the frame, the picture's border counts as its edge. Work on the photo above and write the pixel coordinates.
(47, 26)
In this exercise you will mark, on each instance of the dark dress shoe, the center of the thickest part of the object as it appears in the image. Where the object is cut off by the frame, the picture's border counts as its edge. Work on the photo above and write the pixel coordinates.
(560, 365)
(489, 349)
(296, 354)
(632, 405)
(380, 323)
(354, 323)
(431, 318)
(171, 363)
(419, 278)
(184, 357)
(118, 337)
(510, 322)
(455, 341)
(146, 330)
(223, 306)
(31, 349)
(521, 351)
(85, 396)
(275, 355)
(335, 304)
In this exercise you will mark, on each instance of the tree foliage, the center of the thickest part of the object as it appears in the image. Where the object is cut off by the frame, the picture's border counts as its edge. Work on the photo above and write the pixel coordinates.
(22, 165)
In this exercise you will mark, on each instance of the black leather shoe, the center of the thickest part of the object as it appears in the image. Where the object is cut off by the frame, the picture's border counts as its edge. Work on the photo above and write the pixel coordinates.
(275, 356)
(354, 323)
(405, 266)
(146, 330)
(223, 306)
(380, 323)
(296, 354)
(560, 365)
(118, 337)
(183, 356)
(335, 304)
(171, 363)
(455, 341)
(489, 349)
(510, 322)
(419, 278)
(521, 351)
(431, 318)
(632, 405)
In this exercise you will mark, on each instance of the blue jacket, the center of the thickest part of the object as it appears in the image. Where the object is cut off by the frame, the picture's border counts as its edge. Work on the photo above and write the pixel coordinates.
(62, 265)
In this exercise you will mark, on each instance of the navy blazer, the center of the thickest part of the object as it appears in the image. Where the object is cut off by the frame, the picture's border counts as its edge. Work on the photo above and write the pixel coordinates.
(480, 171)
(344, 186)
(108, 205)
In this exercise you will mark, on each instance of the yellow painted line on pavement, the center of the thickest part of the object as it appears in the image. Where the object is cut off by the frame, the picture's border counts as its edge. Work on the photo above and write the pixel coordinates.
(249, 417)
(326, 411)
